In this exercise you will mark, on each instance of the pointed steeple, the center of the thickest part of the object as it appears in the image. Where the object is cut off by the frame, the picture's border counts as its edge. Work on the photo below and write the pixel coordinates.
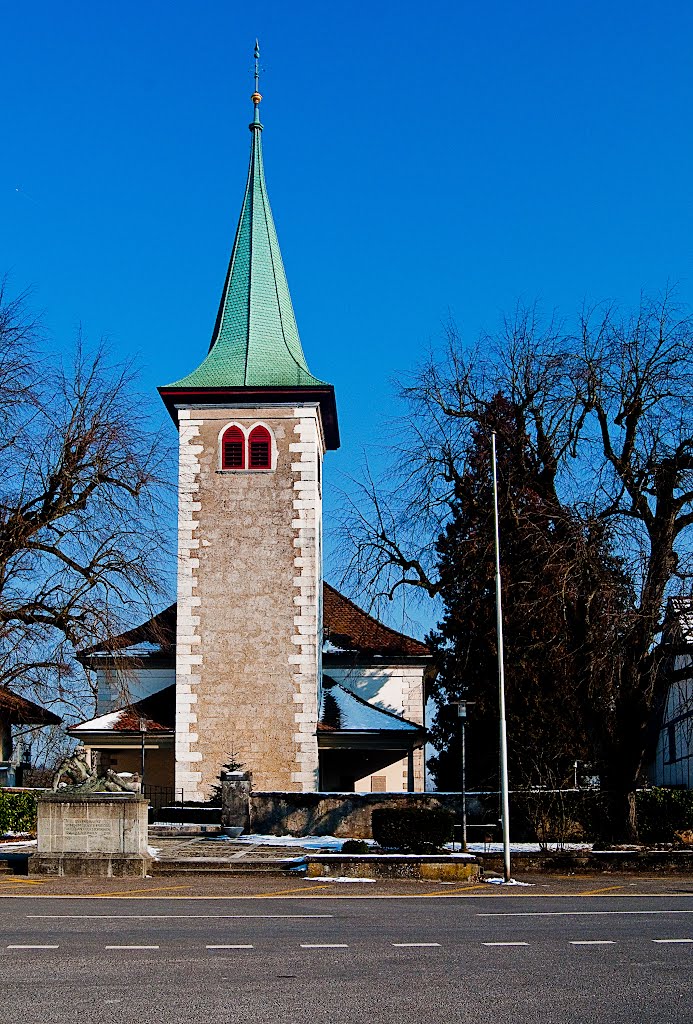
(255, 342)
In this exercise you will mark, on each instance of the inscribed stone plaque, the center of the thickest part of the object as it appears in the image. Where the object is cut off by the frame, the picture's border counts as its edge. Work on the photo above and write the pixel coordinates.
(91, 836)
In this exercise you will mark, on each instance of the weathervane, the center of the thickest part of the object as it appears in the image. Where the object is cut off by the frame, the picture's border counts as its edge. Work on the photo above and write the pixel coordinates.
(256, 97)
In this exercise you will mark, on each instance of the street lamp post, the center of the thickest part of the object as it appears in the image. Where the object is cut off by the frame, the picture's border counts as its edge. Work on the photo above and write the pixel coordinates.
(462, 706)
(143, 732)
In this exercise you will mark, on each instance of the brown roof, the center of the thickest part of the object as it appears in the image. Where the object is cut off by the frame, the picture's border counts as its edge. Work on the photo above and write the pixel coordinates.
(347, 627)
(19, 711)
(159, 630)
(157, 712)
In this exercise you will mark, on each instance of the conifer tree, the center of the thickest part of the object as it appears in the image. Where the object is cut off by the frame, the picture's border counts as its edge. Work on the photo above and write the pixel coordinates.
(559, 585)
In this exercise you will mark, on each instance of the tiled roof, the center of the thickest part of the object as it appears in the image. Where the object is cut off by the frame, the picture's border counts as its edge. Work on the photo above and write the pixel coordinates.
(158, 633)
(157, 713)
(20, 711)
(348, 629)
(680, 610)
(342, 711)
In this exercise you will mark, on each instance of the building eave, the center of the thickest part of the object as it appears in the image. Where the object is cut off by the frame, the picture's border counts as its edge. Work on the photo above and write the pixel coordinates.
(324, 397)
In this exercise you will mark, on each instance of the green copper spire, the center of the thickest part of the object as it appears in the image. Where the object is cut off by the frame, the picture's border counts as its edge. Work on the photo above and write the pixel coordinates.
(255, 342)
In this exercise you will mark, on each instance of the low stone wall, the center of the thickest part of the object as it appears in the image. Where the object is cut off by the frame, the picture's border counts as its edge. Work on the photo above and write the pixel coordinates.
(461, 869)
(345, 815)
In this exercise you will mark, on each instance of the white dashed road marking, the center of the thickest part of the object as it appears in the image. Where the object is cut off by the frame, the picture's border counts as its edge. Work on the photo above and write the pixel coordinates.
(592, 942)
(239, 946)
(505, 943)
(324, 945)
(130, 947)
(33, 947)
(672, 940)
(417, 945)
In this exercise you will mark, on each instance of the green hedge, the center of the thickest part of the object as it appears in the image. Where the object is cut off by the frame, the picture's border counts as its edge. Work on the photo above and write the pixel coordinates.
(17, 812)
(662, 813)
(415, 831)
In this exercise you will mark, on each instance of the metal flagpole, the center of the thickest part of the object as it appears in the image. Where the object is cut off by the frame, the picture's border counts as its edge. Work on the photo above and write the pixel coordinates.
(505, 809)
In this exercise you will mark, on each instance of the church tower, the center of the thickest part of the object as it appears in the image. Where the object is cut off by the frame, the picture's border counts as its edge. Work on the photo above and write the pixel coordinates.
(254, 424)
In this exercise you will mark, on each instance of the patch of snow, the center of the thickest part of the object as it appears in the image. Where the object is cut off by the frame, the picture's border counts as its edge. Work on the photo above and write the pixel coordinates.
(402, 856)
(355, 715)
(302, 842)
(329, 648)
(104, 722)
(341, 878)
(21, 843)
(520, 847)
(500, 881)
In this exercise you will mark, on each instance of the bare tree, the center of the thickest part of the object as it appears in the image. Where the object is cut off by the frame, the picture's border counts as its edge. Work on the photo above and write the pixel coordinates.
(607, 406)
(81, 505)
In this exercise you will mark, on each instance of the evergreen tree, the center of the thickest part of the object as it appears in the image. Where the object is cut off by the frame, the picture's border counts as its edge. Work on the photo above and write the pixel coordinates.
(560, 587)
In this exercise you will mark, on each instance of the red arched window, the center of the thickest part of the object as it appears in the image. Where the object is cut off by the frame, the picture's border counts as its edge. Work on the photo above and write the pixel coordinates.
(233, 449)
(260, 448)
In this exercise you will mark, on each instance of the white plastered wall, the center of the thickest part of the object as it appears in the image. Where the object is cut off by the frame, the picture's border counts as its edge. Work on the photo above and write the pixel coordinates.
(678, 718)
(397, 688)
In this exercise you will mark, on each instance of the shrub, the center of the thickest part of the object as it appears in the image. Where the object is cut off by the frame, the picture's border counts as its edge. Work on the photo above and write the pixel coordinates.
(17, 812)
(662, 813)
(354, 846)
(415, 831)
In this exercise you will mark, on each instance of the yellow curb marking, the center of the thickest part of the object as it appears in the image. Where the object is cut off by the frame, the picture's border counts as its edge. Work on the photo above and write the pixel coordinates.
(596, 892)
(22, 881)
(453, 891)
(127, 892)
(284, 892)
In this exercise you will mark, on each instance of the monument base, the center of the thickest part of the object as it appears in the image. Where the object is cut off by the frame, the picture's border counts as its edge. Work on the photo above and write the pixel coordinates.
(97, 834)
(91, 865)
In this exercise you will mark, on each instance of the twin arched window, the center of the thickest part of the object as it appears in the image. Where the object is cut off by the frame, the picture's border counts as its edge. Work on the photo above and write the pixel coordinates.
(253, 452)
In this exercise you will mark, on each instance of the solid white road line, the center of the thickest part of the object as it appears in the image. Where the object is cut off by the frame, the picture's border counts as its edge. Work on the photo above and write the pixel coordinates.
(130, 947)
(576, 913)
(238, 946)
(415, 944)
(178, 917)
(672, 940)
(505, 943)
(324, 945)
(592, 942)
(33, 947)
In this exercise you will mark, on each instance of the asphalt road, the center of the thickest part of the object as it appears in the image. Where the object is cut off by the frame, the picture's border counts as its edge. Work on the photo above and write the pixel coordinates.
(391, 961)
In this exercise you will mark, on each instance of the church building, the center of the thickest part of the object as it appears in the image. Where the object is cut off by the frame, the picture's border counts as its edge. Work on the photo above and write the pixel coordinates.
(259, 660)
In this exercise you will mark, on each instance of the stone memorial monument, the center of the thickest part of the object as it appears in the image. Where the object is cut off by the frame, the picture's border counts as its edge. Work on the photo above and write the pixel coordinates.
(98, 827)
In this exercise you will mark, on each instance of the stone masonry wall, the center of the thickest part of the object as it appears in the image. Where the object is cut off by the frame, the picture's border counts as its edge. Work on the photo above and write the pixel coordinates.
(249, 576)
(345, 815)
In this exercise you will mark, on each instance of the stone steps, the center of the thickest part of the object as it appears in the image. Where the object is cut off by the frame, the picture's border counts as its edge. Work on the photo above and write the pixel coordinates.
(219, 866)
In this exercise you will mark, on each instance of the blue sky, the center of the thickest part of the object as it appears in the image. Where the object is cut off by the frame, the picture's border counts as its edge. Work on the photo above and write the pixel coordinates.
(421, 159)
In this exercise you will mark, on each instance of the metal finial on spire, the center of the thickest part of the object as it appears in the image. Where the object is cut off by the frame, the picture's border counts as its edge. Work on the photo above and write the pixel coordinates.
(256, 97)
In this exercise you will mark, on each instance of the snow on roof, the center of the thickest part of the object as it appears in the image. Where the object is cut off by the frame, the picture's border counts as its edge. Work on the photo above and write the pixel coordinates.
(343, 711)
(155, 713)
(103, 722)
(682, 611)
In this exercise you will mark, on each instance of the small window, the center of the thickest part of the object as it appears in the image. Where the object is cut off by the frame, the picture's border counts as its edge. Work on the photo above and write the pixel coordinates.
(671, 743)
(260, 445)
(233, 449)
(378, 783)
